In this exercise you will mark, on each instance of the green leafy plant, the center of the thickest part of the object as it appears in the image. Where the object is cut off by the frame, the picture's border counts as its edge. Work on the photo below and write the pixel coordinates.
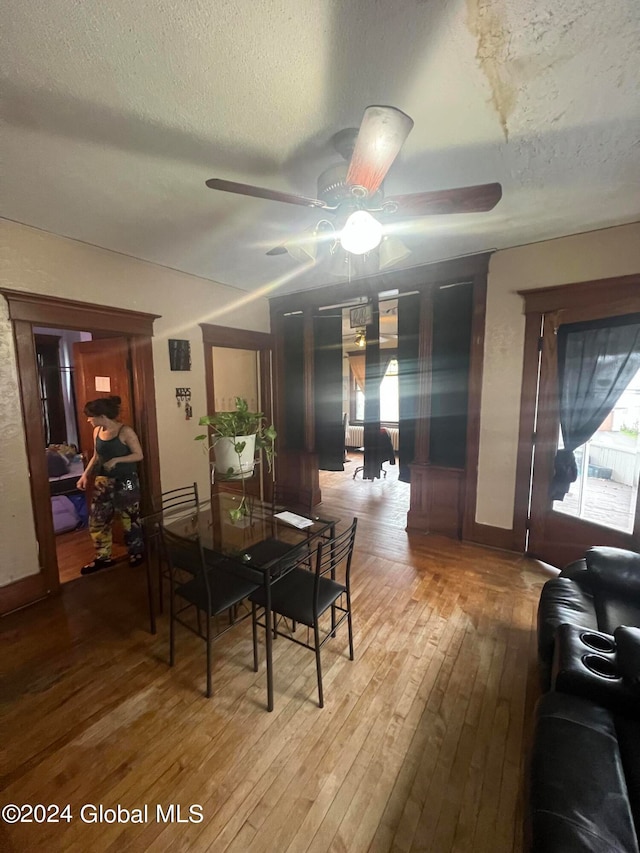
(238, 423)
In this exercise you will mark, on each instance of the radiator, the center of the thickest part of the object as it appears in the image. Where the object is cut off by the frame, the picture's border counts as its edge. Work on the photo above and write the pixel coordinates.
(355, 436)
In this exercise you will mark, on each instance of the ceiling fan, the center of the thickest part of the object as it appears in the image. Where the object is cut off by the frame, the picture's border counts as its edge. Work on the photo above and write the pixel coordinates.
(353, 190)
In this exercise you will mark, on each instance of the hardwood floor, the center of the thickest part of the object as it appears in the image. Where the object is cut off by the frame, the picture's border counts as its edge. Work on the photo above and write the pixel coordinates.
(420, 746)
(75, 549)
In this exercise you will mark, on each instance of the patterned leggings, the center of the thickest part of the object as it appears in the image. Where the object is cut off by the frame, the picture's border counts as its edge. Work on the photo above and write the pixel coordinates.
(111, 496)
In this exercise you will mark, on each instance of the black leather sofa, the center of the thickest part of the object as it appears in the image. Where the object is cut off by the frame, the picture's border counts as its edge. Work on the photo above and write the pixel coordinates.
(584, 780)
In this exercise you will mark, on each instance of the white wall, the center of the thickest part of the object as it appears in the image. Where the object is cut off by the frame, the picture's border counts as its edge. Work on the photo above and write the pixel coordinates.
(584, 257)
(38, 262)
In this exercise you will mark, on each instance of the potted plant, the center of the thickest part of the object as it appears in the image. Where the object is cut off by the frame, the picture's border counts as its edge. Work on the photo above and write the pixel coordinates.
(234, 437)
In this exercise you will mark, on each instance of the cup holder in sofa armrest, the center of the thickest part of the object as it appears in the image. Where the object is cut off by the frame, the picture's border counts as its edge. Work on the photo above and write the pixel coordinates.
(601, 666)
(599, 642)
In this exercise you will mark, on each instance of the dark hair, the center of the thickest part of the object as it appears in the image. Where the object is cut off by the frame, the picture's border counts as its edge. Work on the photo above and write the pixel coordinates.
(107, 406)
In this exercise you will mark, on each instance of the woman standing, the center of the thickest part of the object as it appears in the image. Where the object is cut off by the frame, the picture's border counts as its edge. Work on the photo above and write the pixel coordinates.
(116, 487)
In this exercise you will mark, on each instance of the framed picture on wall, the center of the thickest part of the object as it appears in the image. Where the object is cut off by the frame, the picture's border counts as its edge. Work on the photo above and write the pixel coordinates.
(179, 354)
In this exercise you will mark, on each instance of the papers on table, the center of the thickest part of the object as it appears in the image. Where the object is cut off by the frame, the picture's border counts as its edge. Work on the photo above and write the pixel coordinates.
(298, 521)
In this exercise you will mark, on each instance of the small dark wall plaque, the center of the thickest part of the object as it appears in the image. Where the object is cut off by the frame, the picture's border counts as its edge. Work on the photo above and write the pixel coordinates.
(179, 354)
(361, 315)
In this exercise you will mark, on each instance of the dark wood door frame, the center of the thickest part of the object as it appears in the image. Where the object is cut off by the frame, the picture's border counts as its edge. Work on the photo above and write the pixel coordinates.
(262, 343)
(27, 310)
(588, 300)
(424, 279)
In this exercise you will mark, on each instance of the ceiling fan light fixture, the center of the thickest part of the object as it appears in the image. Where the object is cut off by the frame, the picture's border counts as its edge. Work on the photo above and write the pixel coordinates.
(361, 338)
(361, 233)
(303, 249)
(392, 250)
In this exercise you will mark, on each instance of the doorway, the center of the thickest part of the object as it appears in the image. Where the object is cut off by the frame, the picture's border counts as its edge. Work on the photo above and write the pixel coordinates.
(73, 367)
(582, 478)
(28, 311)
(239, 363)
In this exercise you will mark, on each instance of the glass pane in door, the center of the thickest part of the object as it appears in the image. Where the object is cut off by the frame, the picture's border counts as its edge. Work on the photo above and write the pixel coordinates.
(606, 490)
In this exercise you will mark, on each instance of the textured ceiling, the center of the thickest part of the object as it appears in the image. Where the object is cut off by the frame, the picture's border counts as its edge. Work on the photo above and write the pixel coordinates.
(115, 114)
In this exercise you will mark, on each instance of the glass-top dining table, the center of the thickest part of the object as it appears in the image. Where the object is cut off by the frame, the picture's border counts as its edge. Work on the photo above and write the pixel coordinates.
(258, 546)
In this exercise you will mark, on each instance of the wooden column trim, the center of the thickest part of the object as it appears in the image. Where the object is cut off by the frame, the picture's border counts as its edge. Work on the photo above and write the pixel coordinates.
(476, 362)
(532, 334)
(425, 343)
(35, 442)
(309, 397)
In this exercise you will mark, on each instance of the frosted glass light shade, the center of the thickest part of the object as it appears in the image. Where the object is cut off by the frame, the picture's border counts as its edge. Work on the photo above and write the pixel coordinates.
(303, 248)
(361, 233)
(392, 251)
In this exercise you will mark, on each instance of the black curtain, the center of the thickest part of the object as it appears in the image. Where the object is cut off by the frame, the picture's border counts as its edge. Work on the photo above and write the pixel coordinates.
(408, 379)
(450, 361)
(596, 362)
(294, 406)
(327, 336)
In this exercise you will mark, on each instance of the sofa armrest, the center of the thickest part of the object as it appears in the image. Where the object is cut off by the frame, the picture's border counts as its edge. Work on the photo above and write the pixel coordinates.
(562, 600)
(615, 567)
(628, 655)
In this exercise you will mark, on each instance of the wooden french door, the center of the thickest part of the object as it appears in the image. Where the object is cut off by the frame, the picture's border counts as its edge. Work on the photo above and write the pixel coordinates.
(555, 535)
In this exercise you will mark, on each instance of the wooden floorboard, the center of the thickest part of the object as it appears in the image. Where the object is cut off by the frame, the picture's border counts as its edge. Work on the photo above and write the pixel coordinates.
(421, 745)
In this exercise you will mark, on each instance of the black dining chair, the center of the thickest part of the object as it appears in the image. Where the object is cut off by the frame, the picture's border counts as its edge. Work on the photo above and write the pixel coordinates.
(173, 503)
(215, 587)
(292, 499)
(311, 598)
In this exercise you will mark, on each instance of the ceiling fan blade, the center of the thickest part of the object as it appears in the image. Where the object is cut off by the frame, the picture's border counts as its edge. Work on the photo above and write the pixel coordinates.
(262, 192)
(380, 138)
(474, 199)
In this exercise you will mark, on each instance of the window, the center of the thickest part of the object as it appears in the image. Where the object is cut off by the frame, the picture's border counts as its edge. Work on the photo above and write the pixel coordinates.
(606, 490)
(389, 399)
(389, 394)
(50, 387)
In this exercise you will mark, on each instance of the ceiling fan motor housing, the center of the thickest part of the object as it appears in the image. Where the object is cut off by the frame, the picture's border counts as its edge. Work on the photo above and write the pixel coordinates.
(334, 189)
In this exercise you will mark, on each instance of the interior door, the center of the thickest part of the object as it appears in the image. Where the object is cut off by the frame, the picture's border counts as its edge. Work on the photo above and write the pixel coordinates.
(555, 535)
(101, 369)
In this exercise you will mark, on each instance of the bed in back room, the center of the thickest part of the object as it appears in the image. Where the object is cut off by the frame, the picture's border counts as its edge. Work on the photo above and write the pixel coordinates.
(68, 504)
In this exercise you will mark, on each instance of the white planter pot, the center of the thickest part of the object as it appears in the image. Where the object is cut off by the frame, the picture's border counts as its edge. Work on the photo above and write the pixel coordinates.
(228, 464)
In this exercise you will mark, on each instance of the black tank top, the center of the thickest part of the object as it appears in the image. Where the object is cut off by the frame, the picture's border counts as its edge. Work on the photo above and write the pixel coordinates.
(109, 449)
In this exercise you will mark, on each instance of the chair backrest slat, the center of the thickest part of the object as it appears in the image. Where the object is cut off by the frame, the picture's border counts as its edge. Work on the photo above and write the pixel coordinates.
(184, 497)
(335, 554)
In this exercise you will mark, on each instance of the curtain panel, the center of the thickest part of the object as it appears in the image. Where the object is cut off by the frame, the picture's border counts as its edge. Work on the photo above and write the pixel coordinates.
(596, 362)
(408, 380)
(329, 427)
